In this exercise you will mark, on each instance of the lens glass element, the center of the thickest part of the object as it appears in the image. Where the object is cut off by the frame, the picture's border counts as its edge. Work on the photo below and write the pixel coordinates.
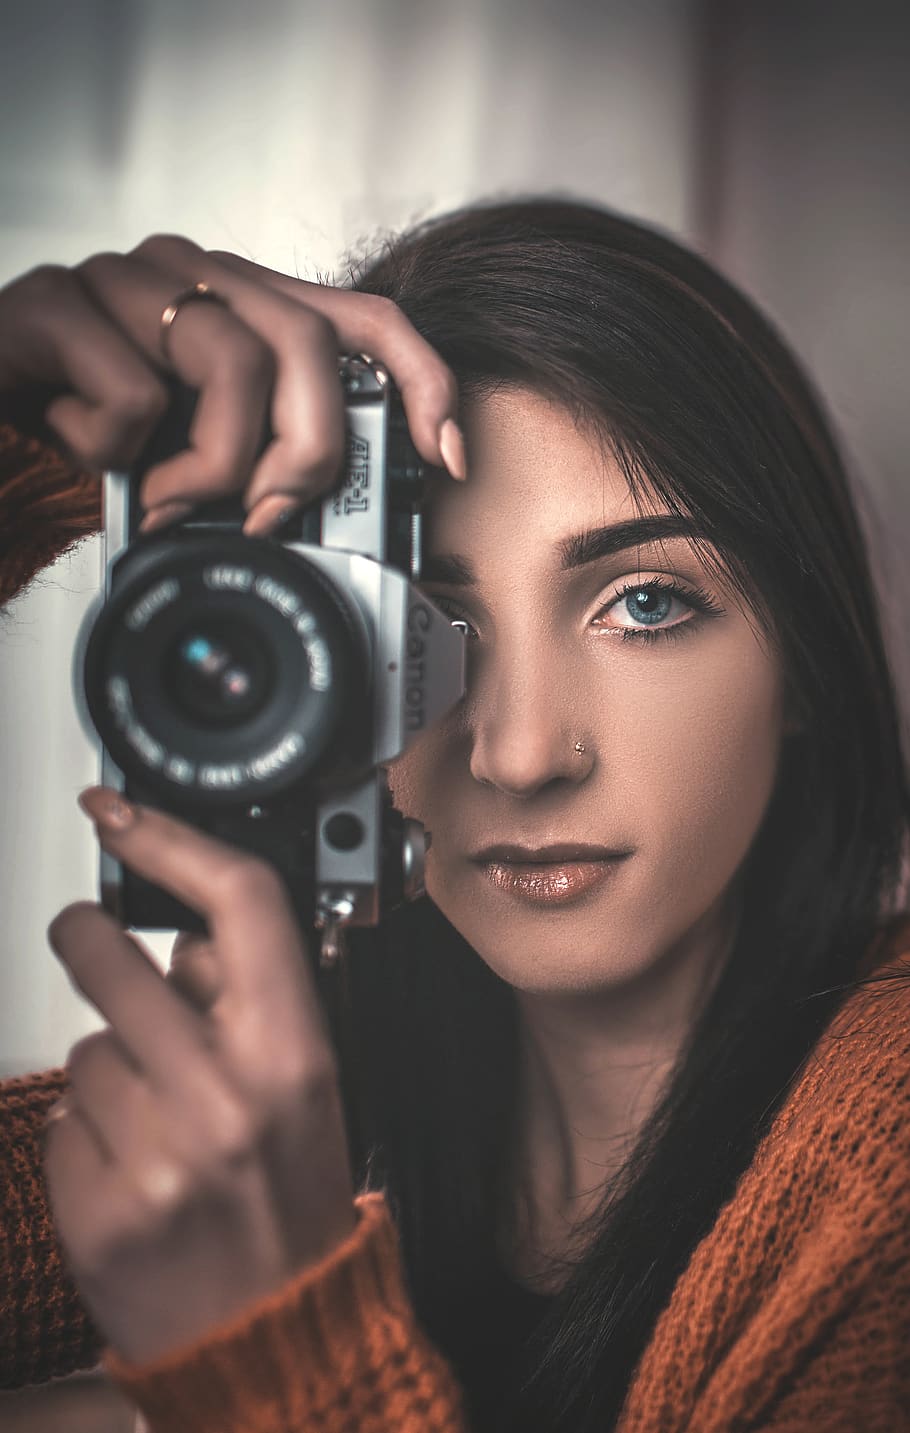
(217, 673)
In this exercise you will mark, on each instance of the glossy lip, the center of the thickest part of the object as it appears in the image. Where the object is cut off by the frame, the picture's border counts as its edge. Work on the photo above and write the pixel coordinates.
(549, 883)
(564, 852)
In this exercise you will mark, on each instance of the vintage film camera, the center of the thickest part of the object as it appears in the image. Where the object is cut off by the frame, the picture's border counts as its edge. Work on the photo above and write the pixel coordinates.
(255, 686)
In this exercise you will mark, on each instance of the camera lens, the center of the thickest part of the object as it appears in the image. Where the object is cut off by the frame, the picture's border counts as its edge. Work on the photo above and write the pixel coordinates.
(216, 674)
(223, 670)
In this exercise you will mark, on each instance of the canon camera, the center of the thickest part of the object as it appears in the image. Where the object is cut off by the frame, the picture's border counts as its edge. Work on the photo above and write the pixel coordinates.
(256, 686)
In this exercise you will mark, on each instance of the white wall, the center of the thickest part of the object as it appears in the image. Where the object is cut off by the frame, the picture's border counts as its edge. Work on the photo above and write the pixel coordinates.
(811, 213)
(290, 133)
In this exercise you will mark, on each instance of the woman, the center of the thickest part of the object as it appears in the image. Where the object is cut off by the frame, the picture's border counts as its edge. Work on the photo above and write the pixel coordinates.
(632, 1082)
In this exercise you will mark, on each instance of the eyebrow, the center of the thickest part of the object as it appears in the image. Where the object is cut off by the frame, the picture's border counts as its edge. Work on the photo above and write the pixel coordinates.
(577, 550)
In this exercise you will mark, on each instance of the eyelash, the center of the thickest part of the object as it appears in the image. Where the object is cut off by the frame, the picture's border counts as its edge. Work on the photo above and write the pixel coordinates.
(696, 598)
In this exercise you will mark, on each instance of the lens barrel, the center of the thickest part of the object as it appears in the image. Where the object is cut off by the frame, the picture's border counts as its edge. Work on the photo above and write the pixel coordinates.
(223, 669)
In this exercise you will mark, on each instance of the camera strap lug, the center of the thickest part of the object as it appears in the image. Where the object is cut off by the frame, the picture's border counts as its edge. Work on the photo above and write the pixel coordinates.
(333, 913)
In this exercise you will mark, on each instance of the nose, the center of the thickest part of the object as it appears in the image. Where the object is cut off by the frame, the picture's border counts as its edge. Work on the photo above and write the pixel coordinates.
(525, 716)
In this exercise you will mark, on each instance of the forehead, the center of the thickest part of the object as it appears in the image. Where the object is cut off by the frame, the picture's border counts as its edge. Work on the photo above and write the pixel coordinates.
(535, 476)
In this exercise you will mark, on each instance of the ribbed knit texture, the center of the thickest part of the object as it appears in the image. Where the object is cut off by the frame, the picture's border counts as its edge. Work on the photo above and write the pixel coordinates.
(793, 1315)
(794, 1312)
(338, 1348)
(44, 1331)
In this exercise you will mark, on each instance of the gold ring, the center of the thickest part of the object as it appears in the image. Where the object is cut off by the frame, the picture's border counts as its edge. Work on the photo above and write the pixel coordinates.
(194, 292)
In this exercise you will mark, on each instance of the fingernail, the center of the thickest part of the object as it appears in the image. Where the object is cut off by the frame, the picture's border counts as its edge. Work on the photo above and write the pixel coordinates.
(107, 808)
(164, 514)
(451, 446)
(270, 512)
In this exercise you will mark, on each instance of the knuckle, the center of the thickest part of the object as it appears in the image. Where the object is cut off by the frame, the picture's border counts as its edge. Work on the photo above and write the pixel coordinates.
(164, 248)
(52, 281)
(163, 1185)
(85, 1048)
(380, 313)
(97, 267)
(233, 1135)
(86, 1055)
(139, 399)
(312, 330)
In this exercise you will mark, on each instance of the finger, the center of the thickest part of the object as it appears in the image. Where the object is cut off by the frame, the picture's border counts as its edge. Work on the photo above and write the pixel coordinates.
(85, 1187)
(72, 1146)
(212, 350)
(54, 333)
(305, 454)
(163, 1037)
(113, 1098)
(67, 1108)
(155, 1141)
(308, 417)
(268, 1008)
(194, 970)
(374, 325)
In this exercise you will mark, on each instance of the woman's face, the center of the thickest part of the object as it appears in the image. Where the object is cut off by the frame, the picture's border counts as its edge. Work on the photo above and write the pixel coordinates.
(681, 734)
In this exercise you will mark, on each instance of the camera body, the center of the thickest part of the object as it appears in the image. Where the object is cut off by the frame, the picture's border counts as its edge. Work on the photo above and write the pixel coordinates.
(256, 687)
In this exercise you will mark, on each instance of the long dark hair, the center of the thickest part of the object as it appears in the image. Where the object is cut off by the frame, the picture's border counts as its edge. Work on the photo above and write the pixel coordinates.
(703, 404)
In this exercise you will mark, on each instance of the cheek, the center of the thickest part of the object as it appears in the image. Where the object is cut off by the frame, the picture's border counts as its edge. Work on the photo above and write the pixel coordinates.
(701, 770)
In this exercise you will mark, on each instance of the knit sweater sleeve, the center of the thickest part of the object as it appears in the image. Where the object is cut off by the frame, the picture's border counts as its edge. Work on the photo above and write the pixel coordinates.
(338, 1347)
(793, 1315)
(46, 505)
(44, 1330)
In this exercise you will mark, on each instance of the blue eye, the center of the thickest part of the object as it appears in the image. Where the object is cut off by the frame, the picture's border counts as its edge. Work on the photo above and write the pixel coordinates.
(647, 602)
(657, 605)
(651, 602)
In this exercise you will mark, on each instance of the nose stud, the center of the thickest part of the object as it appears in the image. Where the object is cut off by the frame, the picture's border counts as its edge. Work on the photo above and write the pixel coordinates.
(579, 747)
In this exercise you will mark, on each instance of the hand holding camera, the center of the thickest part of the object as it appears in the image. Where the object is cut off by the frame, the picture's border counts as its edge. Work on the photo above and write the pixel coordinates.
(248, 687)
(199, 1160)
(90, 344)
(251, 690)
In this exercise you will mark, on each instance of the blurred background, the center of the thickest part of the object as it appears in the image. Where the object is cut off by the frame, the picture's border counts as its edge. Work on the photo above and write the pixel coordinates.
(774, 137)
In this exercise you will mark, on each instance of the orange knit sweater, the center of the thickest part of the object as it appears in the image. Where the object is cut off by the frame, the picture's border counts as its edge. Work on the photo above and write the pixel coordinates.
(792, 1315)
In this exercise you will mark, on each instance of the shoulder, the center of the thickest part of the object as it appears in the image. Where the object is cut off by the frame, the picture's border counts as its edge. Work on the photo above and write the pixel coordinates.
(868, 1039)
(800, 1291)
(846, 1120)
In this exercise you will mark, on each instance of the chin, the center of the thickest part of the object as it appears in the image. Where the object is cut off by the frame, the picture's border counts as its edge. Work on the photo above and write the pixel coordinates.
(568, 949)
(610, 939)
